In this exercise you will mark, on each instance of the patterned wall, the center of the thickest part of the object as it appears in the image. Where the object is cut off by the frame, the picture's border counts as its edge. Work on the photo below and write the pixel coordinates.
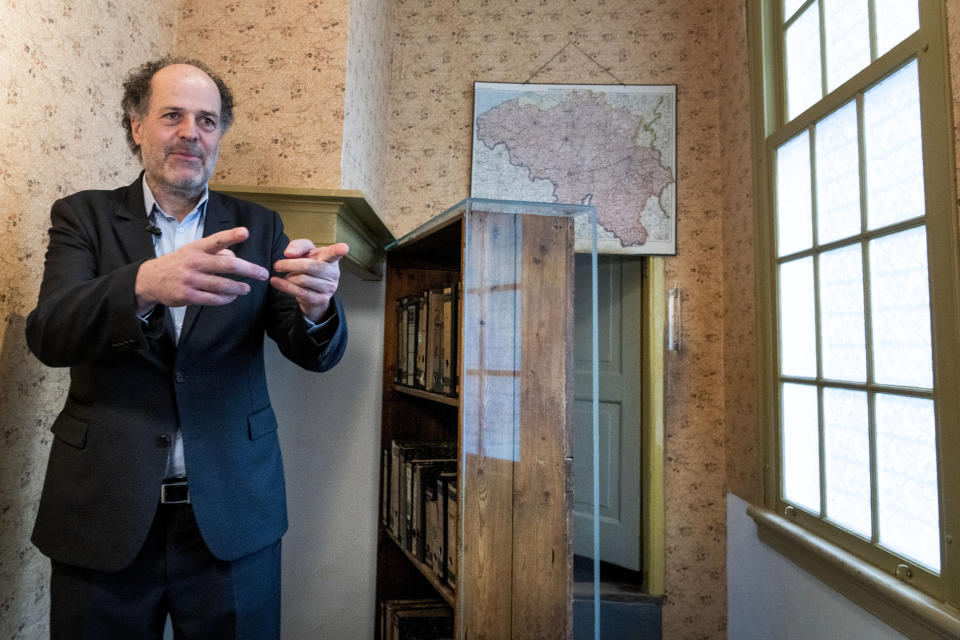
(286, 62)
(364, 162)
(741, 443)
(61, 64)
(953, 39)
(440, 48)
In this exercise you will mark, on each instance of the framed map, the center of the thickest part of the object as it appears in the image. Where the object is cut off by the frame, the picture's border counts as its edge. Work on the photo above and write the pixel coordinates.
(612, 146)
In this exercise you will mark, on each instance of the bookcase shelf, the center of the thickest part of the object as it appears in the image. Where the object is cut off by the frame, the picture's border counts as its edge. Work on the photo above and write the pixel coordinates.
(428, 395)
(444, 590)
(512, 266)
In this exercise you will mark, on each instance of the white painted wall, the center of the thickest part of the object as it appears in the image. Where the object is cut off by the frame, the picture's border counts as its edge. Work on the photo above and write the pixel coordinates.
(330, 435)
(770, 598)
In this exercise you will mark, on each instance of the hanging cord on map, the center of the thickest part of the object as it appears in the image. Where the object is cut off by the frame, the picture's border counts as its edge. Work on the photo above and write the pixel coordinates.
(587, 55)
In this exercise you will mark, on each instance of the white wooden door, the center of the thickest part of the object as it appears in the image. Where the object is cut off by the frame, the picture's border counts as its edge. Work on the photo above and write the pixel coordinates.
(619, 332)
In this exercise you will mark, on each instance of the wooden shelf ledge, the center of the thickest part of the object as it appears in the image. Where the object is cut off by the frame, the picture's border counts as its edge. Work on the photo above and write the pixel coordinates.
(428, 395)
(442, 588)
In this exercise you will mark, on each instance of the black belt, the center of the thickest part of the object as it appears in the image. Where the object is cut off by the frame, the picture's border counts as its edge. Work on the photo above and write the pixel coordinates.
(174, 491)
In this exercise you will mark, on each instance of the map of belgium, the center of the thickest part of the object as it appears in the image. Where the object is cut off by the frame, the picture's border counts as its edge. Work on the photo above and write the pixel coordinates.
(609, 146)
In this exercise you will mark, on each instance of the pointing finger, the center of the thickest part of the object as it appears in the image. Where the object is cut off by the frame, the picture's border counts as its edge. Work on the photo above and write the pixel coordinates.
(333, 253)
(216, 242)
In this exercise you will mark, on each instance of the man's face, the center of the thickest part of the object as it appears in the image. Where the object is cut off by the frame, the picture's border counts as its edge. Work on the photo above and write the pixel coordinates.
(179, 136)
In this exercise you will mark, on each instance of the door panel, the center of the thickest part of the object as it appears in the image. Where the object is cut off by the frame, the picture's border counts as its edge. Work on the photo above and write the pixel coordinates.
(619, 340)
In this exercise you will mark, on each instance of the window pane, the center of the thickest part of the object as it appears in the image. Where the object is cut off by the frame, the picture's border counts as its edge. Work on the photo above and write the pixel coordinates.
(838, 175)
(847, 449)
(896, 19)
(801, 447)
(900, 309)
(843, 344)
(794, 209)
(894, 158)
(798, 338)
(908, 508)
(846, 26)
(803, 62)
(790, 7)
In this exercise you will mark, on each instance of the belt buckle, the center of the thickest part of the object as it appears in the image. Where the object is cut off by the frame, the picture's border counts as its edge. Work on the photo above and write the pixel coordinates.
(176, 492)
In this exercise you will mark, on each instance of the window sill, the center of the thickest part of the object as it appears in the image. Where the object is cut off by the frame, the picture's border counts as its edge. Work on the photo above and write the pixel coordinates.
(907, 610)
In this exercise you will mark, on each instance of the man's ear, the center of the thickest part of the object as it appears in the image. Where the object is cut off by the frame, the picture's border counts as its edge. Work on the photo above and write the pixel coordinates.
(135, 125)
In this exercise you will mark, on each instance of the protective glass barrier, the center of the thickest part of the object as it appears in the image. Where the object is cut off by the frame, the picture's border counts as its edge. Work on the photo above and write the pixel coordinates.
(524, 504)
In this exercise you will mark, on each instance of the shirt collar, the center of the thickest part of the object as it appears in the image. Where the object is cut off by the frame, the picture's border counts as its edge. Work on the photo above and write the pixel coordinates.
(149, 202)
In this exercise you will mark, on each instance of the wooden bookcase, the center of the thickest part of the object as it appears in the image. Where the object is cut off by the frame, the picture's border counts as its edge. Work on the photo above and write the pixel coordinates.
(513, 264)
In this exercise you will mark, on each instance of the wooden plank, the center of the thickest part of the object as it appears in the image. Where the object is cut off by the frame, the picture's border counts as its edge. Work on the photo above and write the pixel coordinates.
(543, 559)
(428, 395)
(486, 495)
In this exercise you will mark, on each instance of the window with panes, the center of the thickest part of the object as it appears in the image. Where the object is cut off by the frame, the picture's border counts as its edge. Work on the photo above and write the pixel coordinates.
(852, 205)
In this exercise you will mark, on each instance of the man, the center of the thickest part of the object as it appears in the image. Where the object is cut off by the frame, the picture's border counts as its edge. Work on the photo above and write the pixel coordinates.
(164, 491)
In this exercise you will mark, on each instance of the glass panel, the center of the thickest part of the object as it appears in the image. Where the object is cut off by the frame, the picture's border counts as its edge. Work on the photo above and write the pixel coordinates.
(489, 393)
(801, 446)
(790, 7)
(896, 19)
(516, 385)
(894, 158)
(846, 25)
(847, 449)
(838, 175)
(907, 496)
(803, 62)
(843, 344)
(798, 339)
(794, 208)
(900, 309)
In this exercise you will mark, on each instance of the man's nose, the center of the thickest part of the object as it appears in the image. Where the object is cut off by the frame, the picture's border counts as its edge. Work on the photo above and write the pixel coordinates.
(188, 128)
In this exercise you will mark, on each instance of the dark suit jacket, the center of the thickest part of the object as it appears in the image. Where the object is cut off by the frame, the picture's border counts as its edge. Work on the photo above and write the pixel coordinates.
(131, 386)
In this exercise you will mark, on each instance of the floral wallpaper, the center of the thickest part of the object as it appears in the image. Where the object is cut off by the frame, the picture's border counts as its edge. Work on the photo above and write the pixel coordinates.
(741, 436)
(61, 65)
(285, 61)
(367, 100)
(953, 40)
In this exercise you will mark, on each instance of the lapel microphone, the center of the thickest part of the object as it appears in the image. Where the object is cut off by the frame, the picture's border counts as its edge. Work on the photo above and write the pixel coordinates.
(154, 230)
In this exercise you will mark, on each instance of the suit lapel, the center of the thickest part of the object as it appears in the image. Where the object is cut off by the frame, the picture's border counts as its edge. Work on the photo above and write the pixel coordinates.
(130, 225)
(218, 217)
(136, 243)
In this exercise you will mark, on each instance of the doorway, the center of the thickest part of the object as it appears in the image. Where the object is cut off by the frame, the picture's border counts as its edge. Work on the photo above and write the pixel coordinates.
(620, 353)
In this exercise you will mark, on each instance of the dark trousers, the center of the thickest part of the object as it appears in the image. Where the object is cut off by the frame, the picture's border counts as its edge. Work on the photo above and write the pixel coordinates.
(174, 573)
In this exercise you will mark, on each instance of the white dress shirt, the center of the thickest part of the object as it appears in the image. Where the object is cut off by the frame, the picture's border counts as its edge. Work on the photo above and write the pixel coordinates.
(173, 235)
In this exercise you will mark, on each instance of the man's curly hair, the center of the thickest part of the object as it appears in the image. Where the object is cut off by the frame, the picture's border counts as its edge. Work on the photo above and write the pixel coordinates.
(136, 93)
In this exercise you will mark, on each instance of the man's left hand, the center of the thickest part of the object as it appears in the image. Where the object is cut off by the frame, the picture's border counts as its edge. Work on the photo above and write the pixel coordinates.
(310, 274)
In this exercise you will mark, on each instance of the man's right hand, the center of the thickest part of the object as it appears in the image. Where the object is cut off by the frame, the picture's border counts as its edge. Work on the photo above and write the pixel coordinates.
(194, 274)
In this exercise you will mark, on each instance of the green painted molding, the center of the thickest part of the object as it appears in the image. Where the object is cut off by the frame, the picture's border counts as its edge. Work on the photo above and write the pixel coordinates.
(325, 216)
